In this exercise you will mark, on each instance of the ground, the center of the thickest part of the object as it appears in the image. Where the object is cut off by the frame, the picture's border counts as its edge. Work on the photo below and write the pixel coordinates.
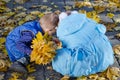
(25, 10)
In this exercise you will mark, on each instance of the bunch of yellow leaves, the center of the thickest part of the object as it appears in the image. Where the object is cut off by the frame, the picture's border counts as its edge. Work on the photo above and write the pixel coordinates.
(44, 49)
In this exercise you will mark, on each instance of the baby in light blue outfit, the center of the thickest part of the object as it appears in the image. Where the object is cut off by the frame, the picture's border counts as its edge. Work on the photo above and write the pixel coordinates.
(86, 49)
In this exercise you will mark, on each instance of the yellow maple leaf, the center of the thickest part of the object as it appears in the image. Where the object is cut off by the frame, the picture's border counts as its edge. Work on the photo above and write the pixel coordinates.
(40, 15)
(99, 9)
(93, 15)
(31, 68)
(2, 40)
(15, 76)
(110, 15)
(78, 4)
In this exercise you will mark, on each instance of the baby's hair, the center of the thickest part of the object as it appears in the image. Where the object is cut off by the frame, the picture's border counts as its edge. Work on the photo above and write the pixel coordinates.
(49, 19)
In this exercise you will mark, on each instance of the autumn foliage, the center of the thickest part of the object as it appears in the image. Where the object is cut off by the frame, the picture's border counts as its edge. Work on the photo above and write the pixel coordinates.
(44, 49)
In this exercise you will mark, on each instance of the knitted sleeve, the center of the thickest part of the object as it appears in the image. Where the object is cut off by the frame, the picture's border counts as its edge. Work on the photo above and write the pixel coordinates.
(24, 43)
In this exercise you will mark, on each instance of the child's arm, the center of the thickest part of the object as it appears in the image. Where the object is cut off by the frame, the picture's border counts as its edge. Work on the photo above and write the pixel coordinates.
(24, 42)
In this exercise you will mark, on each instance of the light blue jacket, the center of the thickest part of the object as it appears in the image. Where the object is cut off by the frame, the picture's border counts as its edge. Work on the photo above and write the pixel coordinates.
(86, 49)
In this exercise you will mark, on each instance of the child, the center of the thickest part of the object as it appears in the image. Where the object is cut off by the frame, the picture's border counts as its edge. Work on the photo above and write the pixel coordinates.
(18, 41)
(86, 50)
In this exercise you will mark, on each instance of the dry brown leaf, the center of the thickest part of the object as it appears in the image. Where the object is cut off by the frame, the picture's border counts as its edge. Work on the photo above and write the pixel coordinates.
(3, 56)
(3, 65)
(111, 72)
(65, 77)
(109, 26)
(117, 36)
(116, 49)
(93, 76)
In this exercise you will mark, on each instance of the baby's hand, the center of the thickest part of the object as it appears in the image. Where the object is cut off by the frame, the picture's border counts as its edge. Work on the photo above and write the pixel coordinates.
(56, 40)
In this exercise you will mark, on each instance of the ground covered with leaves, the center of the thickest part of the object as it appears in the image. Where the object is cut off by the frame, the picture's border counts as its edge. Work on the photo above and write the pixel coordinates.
(16, 12)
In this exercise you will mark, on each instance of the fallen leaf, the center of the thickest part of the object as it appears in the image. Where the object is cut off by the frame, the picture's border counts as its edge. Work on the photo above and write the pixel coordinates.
(117, 28)
(2, 76)
(20, 1)
(67, 7)
(7, 1)
(3, 65)
(82, 78)
(101, 78)
(20, 15)
(65, 77)
(116, 49)
(109, 26)
(110, 15)
(30, 78)
(31, 68)
(93, 76)
(43, 7)
(2, 40)
(15, 76)
(49, 68)
(93, 15)
(41, 15)
(99, 9)
(29, 18)
(116, 18)
(35, 12)
(78, 4)
(111, 72)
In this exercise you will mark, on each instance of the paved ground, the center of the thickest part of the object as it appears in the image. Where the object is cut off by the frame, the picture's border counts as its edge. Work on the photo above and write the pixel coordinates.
(43, 73)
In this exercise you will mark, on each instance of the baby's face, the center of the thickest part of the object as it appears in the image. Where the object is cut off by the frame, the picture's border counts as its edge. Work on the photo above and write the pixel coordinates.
(51, 30)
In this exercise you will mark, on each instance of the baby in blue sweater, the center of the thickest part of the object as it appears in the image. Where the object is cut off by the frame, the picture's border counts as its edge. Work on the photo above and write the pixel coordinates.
(18, 41)
(86, 49)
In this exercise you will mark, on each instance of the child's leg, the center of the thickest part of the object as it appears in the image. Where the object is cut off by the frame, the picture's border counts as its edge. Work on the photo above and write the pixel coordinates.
(19, 59)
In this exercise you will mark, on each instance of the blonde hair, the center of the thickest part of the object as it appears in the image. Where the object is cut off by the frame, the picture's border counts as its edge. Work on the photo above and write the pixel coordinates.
(48, 20)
